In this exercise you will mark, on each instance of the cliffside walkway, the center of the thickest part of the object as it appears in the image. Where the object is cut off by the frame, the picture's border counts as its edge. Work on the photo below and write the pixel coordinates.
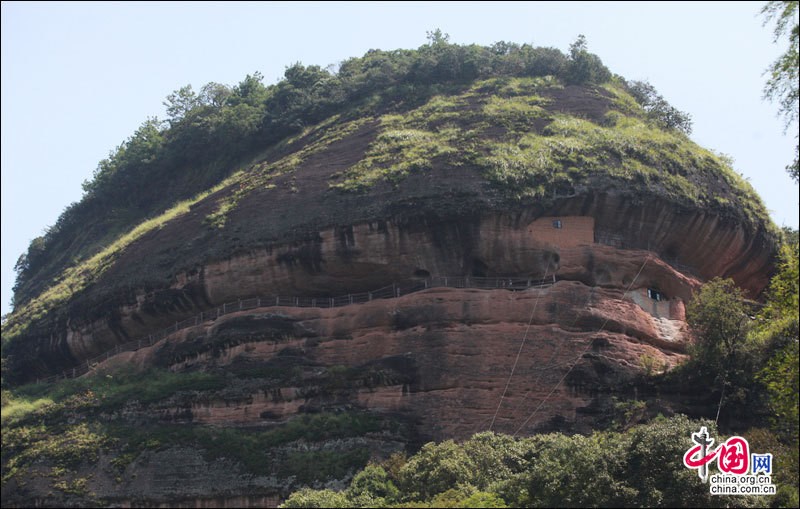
(388, 292)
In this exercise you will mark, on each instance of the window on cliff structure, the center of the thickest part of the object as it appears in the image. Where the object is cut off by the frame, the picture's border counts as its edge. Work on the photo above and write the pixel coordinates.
(655, 295)
(557, 224)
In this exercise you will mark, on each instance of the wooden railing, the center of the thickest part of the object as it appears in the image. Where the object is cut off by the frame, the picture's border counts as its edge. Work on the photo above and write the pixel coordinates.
(387, 292)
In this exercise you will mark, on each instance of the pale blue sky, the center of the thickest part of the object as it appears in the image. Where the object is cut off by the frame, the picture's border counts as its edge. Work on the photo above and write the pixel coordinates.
(79, 78)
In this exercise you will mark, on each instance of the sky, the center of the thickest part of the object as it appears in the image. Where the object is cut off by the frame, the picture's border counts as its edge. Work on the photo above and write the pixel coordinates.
(79, 78)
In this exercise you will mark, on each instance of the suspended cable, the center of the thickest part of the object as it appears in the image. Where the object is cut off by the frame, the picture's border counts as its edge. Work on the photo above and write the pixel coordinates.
(519, 352)
(581, 354)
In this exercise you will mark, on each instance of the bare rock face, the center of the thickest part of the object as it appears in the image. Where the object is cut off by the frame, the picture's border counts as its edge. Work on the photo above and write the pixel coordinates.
(609, 264)
(442, 357)
(297, 234)
(622, 276)
(676, 252)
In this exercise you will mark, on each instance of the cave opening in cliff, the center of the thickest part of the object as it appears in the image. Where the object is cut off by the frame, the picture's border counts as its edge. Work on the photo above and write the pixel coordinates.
(422, 273)
(479, 268)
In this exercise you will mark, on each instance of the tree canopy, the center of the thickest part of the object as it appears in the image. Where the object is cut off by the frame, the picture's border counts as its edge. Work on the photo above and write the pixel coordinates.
(783, 85)
(207, 134)
(640, 467)
(751, 360)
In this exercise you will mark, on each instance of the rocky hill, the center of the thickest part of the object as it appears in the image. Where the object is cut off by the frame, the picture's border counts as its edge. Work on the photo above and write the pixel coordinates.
(574, 229)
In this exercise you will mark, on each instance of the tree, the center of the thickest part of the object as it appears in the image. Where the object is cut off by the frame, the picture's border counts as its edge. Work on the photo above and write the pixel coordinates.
(250, 90)
(437, 38)
(435, 469)
(585, 67)
(214, 94)
(496, 458)
(313, 498)
(782, 85)
(371, 488)
(27, 263)
(658, 109)
(179, 103)
(720, 321)
(118, 178)
(778, 329)
(483, 499)
(571, 471)
(653, 467)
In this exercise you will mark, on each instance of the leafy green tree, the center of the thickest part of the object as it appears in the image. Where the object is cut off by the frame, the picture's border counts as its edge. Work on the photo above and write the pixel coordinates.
(307, 497)
(235, 126)
(180, 102)
(584, 67)
(117, 179)
(653, 466)
(783, 83)
(250, 90)
(504, 48)
(496, 458)
(721, 355)
(454, 497)
(483, 499)
(658, 109)
(371, 488)
(640, 467)
(574, 471)
(144, 147)
(778, 331)
(435, 469)
(781, 378)
(29, 261)
(543, 61)
(719, 318)
(214, 94)
(783, 299)
(437, 38)
(785, 466)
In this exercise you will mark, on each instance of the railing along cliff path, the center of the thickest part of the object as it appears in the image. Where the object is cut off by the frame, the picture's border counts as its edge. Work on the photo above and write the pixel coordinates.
(387, 292)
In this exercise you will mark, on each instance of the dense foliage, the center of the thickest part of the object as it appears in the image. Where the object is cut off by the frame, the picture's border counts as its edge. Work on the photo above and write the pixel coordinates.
(640, 467)
(749, 361)
(531, 139)
(783, 84)
(210, 133)
(55, 431)
(749, 355)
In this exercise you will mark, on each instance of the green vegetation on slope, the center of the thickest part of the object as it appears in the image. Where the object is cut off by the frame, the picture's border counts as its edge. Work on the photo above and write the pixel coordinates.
(640, 467)
(530, 151)
(500, 112)
(262, 174)
(465, 107)
(748, 359)
(756, 362)
(41, 437)
(210, 133)
(100, 393)
(77, 277)
(783, 85)
(537, 155)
